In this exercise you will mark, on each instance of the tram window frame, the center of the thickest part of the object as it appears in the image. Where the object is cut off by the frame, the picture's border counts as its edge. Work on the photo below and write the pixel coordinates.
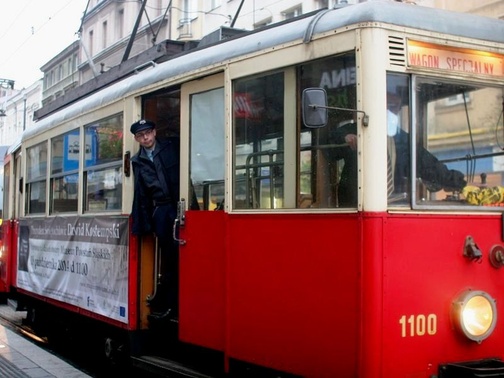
(300, 161)
(6, 213)
(102, 186)
(259, 109)
(463, 137)
(64, 178)
(207, 160)
(36, 178)
(327, 165)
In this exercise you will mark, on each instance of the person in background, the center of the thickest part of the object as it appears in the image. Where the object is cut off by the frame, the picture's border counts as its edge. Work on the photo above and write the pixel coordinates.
(345, 137)
(434, 174)
(156, 193)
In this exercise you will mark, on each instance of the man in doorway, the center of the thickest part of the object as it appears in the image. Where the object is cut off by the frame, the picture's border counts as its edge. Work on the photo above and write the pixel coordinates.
(156, 193)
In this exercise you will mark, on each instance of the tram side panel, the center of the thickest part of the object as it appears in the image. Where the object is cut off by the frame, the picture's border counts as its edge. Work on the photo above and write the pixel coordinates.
(291, 282)
(295, 279)
(426, 272)
(202, 291)
(8, 255)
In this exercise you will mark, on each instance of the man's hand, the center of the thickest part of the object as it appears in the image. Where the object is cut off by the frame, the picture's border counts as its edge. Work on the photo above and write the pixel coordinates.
(351, 140)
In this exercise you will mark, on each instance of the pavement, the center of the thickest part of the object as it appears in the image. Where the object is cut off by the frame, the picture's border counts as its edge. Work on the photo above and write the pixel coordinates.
(23, 358)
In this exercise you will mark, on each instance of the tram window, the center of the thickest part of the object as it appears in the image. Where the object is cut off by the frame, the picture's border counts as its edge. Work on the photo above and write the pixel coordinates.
(259, 142)
(7, 190)
(102, 188)
(207, 149)
(461, 126)
(398, 139)
(36, 188)
(327, 171)
(65, 157)
(103, 164)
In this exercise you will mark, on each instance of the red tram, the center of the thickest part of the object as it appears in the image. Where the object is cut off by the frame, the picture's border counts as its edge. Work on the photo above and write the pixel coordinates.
(299, 261)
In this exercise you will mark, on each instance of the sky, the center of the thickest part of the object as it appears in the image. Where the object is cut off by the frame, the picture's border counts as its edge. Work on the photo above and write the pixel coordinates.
(32, 32)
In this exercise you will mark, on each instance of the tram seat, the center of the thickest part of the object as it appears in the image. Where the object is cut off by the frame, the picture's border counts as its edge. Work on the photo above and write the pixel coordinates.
(305, 201)
(64, 205)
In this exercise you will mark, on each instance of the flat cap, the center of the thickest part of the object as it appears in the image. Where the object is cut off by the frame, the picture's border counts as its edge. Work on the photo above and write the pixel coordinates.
(142, 125)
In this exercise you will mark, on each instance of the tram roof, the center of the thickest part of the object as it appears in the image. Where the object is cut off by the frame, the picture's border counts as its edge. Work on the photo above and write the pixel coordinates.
(378, 11)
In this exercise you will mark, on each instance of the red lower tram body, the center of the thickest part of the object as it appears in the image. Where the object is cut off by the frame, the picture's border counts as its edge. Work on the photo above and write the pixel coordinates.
(319, 295)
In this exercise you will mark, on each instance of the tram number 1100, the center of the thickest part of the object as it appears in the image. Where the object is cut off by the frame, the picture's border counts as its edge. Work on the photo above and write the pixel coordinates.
(418, 325)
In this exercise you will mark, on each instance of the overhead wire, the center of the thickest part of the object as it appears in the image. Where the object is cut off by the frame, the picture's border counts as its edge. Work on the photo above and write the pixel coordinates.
(34, 31)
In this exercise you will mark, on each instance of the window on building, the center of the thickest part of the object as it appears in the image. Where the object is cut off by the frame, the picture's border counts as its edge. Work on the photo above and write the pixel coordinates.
(215, 3)
(104, 34)
(120, 24)
(91, 37)
(262, 23)
(189, 11)
(103, 164)
(323, 4)
(36, 187)
(293, 12)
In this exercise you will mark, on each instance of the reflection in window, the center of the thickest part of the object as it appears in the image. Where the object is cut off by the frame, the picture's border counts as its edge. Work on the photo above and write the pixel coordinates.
(65, 155)
(458, 141)
(258, 142)
(103, 164)
(103, 141)
(36, 165)
(103, 189)
(398, 139)
(327, 164)
(207, 148)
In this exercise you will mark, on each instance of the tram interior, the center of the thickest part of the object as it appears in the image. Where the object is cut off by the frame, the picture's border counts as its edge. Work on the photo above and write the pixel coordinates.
(462, 126)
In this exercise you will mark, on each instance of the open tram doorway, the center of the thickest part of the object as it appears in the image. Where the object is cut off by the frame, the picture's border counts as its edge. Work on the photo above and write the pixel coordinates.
(163, 108)
(193, 113)
(158, 268)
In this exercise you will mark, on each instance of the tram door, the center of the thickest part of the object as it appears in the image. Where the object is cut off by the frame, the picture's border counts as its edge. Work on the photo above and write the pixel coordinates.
(202, 255)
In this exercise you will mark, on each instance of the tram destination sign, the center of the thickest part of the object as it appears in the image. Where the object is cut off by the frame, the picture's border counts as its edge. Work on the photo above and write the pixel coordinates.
(454, 59)
(81, 261)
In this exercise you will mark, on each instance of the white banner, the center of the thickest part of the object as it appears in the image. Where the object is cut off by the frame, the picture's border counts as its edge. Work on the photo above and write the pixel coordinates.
(77, 260)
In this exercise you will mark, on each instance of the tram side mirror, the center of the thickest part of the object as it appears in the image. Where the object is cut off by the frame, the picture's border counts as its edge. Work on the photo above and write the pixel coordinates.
(314, 103)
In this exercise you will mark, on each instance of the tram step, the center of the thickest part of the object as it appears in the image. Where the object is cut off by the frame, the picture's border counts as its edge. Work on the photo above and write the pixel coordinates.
(162, 317)
(13, 304)
(162, 366)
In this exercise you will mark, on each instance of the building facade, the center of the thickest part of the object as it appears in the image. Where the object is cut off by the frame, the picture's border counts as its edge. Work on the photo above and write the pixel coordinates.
(17, 110)
(114, 32)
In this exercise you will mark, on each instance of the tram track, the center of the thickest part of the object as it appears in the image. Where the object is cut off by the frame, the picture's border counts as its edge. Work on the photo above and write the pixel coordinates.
(16, 322)
(75, 352)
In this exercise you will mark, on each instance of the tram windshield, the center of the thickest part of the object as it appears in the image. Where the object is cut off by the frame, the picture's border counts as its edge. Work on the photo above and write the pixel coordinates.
(458, 142)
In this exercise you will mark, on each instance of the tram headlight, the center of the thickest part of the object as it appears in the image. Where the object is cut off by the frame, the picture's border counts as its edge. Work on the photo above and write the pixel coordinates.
(475, 315)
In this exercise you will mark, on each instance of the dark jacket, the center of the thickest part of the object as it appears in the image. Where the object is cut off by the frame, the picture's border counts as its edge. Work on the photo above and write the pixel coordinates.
(347, 187)
(434, 174)
(154, 181)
